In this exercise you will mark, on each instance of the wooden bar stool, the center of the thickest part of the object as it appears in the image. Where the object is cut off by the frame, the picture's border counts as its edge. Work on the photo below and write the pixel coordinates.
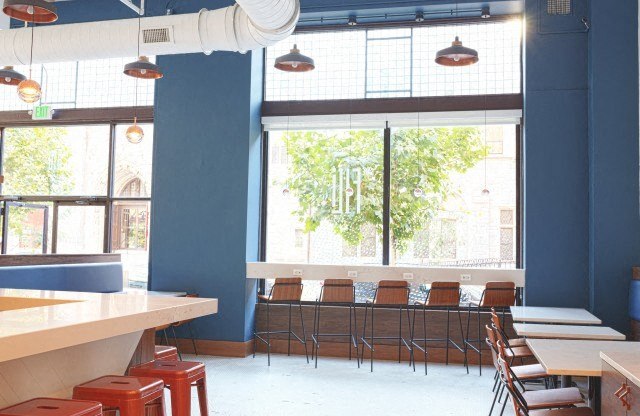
(442, 296)
(389, 294)
(497, 295)
(287, 291)
(336, 292)
(128, 395)
(54, 407)
(166, 353)
(178, 377)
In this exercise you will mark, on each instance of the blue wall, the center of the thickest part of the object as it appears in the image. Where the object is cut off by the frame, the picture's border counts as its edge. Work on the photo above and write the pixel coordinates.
(581, 231)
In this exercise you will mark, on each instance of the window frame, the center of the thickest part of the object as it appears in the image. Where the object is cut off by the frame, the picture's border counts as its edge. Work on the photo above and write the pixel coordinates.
(112, 117)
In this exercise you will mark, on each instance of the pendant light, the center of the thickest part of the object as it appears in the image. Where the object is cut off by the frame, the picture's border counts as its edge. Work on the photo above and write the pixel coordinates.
(142, 68)
(9, 76)
(38, 11)
(294, 61)
(134, 133)
(456, 54)
(29, 90)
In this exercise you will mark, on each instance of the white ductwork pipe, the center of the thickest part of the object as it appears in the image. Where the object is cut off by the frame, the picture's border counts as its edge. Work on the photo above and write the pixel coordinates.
(247, 25)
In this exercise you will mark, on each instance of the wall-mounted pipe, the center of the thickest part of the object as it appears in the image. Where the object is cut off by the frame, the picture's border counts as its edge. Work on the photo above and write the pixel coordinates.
(248, 25)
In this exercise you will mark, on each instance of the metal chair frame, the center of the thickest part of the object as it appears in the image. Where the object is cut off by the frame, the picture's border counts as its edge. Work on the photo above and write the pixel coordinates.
(469, 342)
(258, 336)
(401, 341)
(353, 324)
(415, 342)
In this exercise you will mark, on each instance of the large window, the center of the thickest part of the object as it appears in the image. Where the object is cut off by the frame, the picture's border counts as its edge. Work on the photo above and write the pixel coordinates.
(452, 200)
(78, 190)
(85, 84)
(398, 62)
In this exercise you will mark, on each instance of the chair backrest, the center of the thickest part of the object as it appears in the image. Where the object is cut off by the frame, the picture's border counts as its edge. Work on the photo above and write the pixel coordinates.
(392, 292)
(497, 324)
(338, 291)
(498, 294)
(493, 346)
(444, 294)
(519, 403)
(287, 289)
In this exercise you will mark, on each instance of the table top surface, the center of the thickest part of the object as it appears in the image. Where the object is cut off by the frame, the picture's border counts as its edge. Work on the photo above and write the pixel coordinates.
(568, 332)
(561, 357)
(135, 291)
(626, 363)
(36, 321)
(539, 314)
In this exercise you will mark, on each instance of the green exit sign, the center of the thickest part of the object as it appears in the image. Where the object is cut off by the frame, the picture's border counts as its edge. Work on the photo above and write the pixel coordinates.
(42, 112)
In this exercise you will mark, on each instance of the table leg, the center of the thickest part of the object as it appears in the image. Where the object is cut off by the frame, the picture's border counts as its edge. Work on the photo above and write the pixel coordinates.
(565, 381)
(594, 394)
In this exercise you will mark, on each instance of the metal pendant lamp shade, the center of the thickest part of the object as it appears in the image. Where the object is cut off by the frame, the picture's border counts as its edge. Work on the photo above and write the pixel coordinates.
(457, 55)
(35, 11)
(294, 61)
(143, 68)
(9, 76)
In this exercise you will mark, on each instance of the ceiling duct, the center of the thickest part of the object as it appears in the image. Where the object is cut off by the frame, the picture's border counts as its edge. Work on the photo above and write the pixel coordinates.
(247, 25)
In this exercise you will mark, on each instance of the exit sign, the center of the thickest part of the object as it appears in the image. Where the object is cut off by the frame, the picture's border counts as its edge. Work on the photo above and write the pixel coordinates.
(42, 112)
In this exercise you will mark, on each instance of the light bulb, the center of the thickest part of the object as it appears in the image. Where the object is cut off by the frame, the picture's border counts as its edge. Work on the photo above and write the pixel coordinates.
(456, 58)
(135, 134)
(143, 71)
(294, 65)
(349, 191)
(29, 91)
(285, 191)
(7, 79)
(418, 192)
(485, 192)
(30, 9)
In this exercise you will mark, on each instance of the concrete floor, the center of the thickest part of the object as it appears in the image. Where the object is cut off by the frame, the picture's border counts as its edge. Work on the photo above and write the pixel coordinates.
(247, 387)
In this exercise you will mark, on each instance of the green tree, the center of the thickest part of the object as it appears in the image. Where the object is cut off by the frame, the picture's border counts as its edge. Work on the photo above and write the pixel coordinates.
(36, 162)
(423, 162)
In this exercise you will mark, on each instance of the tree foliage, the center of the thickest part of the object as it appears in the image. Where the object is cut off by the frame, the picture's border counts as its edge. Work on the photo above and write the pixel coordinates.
(422, 164)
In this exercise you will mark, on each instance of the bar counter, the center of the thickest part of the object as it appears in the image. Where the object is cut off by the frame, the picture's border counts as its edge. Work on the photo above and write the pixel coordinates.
(51, 341)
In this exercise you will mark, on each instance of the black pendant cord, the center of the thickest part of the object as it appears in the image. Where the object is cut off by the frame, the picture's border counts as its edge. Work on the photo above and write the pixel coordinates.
(135, 108)
(33, 24)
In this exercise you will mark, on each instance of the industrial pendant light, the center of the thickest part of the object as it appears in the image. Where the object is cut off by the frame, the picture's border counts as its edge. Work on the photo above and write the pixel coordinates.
(294, 61)
(456, 54)
(29, 90)
(38, 11)
(9, 76)
(142, 68)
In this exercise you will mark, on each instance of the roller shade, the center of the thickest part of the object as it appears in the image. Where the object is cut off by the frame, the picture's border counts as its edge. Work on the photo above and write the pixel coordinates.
(379, 121)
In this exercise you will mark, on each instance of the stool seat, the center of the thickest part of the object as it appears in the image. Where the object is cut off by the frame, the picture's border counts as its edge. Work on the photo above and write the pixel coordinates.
(130, 395)
(179, 377)
(166, 353)
(53, 407)
(168, 370)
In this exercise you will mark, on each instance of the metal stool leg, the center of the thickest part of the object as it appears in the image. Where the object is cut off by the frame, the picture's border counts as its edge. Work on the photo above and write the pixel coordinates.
(400, 337)
(424, 328)
(364, 332)
(289, 334)
(479, 345)
(372, 337)
(304, 334)
(413, 333)
(355, 328)
(463, 340)
(316, 340)
(466, 338)
(193, 338)
(447, 339)
(175, 340)
(268, 336)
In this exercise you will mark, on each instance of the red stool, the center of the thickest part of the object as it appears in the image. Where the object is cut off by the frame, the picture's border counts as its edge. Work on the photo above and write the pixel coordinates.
(179, 377)
(166, 353)
(127, 394)
(53, 407)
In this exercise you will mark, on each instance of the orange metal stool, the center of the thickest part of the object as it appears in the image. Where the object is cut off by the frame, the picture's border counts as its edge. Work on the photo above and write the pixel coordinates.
(53, 407)
(179, 377)
(166, 353)
(129, 395)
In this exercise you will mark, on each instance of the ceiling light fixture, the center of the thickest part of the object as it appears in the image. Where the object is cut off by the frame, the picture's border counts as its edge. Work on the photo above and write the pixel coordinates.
(9, 76)
(29, 90)
(142, 68)
(294, 61)
(352, 21)
(486, 12)
(456, 54)
(38, 11)
(419, 17)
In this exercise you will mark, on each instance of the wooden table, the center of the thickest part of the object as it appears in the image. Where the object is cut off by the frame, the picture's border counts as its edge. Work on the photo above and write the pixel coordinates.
(539, 314)
(602, 333)
(568, 358)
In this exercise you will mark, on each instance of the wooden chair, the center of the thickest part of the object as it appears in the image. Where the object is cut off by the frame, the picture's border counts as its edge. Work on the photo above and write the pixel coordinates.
(538, 399)
(442, 296)
(497, 295)
(509, 342)
(287, 291)
(390, 294)
(521, 373)
(336, 292)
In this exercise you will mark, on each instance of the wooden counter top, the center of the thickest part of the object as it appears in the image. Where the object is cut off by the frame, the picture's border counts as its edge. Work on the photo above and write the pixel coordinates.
(34, 322)
(626, 362)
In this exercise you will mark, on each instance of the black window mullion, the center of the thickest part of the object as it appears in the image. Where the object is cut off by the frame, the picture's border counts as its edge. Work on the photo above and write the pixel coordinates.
(386, 198)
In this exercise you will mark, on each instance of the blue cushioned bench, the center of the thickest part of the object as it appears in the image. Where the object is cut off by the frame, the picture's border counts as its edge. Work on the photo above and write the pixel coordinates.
(81, 277)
